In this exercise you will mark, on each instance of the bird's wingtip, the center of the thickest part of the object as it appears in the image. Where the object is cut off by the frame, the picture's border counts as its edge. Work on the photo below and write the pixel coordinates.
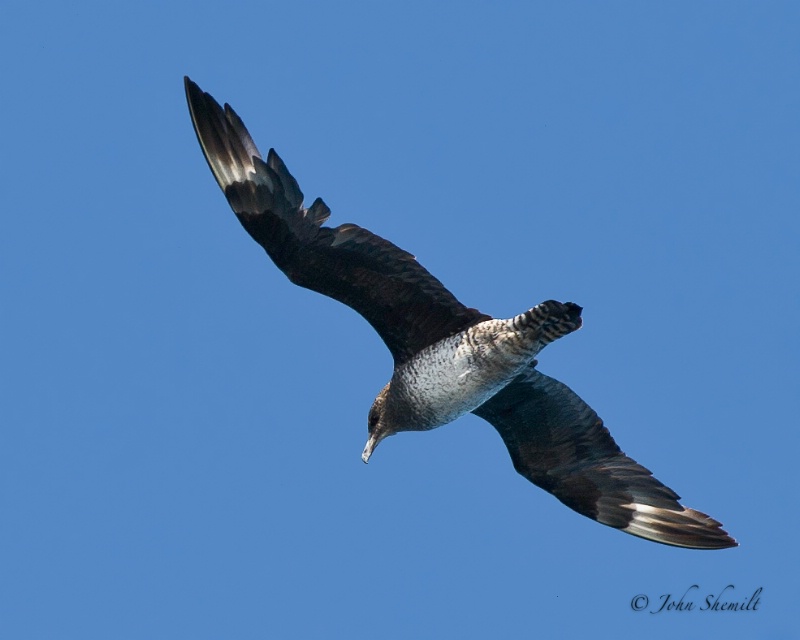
(688, 528)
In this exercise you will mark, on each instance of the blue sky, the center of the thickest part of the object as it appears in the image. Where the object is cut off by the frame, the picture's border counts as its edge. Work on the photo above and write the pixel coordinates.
(182, 427)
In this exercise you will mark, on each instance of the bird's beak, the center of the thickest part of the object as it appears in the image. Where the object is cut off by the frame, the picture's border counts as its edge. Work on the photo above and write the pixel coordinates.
(373, 441)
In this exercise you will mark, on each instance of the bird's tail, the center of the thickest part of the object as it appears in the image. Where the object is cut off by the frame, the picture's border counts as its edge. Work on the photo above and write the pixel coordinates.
(551, 320)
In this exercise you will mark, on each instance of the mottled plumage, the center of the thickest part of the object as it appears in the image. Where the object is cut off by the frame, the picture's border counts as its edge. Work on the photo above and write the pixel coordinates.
(449, 359)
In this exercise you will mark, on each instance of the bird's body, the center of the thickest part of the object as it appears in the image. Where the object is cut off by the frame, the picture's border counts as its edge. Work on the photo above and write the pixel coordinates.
(449, 359)
(458, 374)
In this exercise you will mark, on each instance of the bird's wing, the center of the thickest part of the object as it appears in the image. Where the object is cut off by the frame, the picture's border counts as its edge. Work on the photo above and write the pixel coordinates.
(406, 305)
(560, 444)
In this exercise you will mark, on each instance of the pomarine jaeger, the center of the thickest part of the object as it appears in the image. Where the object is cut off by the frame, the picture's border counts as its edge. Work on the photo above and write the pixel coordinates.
(449, 359)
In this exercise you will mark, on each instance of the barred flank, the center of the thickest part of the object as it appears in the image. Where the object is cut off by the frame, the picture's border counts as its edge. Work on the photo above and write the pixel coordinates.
(552, 319)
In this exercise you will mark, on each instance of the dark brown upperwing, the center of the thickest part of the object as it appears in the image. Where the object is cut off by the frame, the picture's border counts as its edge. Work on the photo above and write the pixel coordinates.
(405, 304)
(560, 444)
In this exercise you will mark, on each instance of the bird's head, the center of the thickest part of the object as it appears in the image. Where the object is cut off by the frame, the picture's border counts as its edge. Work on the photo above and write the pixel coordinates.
(378, 426)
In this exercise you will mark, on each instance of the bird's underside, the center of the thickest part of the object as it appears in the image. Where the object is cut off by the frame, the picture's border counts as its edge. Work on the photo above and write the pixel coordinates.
(554, 438)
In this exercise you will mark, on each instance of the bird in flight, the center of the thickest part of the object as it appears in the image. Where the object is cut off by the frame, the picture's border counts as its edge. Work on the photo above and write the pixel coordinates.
(449, 359)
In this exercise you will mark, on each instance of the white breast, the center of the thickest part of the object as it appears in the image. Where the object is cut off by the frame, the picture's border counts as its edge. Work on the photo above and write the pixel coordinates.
(457, 374)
